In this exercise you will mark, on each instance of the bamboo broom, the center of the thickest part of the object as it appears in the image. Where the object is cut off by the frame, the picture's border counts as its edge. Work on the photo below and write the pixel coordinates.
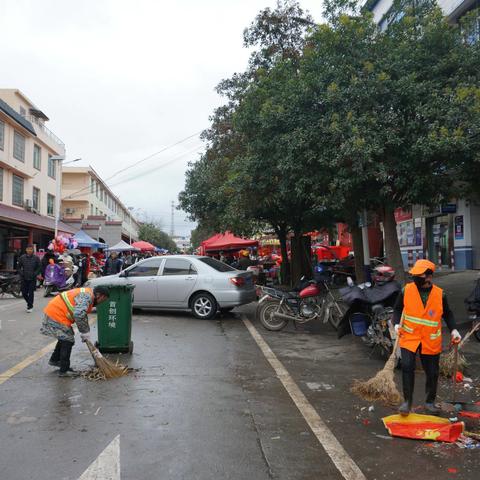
(382, 386)
(107, 368)
(447, 360)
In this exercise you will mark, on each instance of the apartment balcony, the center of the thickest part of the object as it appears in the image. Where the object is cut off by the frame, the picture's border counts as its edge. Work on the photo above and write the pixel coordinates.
(47, 135)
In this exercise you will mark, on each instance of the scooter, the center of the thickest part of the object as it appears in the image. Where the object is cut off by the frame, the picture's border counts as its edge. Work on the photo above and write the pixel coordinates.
(472, 302)
(10, 283)
(56, 279)
(370, 312)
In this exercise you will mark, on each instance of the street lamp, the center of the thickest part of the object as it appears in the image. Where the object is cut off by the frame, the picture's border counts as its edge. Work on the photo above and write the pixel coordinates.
(130, 224)
(58, 171)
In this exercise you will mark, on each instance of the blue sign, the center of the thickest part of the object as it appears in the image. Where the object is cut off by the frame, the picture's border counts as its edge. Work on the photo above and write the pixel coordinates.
(449, 208)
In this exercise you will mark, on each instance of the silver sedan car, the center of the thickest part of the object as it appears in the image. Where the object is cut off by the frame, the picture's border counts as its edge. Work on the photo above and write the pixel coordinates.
(202, 285)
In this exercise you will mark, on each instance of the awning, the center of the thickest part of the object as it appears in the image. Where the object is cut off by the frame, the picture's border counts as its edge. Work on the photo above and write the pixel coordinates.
(85, 240)
(144, 246)
(19, 216)
(227, 241)
(123, 246)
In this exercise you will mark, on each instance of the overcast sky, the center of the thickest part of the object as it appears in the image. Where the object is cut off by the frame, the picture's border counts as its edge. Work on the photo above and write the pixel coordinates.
(123, 79)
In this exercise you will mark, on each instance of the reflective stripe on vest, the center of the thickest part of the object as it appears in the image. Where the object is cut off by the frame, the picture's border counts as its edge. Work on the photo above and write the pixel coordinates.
(68, 303)
(420, 321)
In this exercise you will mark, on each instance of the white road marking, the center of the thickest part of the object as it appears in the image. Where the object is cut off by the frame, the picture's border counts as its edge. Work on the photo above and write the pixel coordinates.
(334, 449)
(107, 465)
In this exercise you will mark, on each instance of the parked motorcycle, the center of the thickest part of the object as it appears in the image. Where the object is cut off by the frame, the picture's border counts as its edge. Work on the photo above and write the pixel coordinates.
(58, 278)
(472, 302)
(10, 283)
(311, 300)
(370, 312)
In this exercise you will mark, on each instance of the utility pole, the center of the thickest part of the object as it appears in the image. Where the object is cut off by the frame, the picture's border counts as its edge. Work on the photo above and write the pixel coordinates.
(172, 221)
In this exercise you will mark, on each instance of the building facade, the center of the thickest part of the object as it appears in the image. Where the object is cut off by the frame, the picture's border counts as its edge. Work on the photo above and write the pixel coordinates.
(88, 203)
(449, 235)
(28, 176)
(453, 9)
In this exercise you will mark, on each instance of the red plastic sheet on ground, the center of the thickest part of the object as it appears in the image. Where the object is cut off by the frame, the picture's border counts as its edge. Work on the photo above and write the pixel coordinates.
(423, 427)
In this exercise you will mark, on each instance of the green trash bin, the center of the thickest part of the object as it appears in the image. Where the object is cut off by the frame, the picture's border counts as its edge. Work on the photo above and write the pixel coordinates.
(114, 319)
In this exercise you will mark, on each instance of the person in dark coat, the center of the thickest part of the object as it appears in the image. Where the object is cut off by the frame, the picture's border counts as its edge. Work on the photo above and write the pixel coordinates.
(29, 267)
(113, 265)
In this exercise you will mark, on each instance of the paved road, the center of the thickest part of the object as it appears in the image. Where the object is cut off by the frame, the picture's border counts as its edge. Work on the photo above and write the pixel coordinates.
(205, 404)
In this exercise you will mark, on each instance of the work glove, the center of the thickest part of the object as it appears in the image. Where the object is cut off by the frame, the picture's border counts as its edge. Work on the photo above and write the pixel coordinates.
(85, 337)
(398, 329)
(456, 337)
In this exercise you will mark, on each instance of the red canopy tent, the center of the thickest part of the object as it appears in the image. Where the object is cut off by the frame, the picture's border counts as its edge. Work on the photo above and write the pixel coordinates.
(226, 241)
(144, 246)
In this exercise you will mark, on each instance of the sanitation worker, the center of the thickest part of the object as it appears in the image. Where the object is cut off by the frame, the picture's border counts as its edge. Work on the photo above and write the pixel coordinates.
(61, 313)
(421, 307)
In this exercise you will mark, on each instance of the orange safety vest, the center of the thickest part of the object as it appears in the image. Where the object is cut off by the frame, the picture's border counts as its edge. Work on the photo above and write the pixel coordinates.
(422, 324)
(61, 308)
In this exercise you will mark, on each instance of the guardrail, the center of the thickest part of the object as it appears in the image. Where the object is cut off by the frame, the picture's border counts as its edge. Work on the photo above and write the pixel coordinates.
(46, 130)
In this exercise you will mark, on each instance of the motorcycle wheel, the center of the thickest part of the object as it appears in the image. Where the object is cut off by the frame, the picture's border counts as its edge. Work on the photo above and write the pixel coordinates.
(335, 314)
(265, 316)
(48, 291)
(16, 290)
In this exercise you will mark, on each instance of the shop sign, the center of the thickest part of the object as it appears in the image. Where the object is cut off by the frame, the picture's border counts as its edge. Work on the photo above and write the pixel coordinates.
(401, 215)
(449, 208)
(459, 235)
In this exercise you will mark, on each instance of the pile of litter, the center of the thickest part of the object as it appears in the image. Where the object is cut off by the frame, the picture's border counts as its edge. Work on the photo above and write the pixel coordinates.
(94, 374)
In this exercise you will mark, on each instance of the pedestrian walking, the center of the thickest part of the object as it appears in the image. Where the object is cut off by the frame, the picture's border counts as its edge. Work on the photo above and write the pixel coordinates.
(61, 313)
(422, 306)
(29, 266)
(113, 264)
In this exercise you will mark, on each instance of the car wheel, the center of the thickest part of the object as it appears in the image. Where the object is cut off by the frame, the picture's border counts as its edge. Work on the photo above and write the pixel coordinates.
(204, 306)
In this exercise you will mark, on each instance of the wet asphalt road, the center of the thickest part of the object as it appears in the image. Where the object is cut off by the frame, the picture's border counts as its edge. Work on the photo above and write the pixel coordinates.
(204, 404)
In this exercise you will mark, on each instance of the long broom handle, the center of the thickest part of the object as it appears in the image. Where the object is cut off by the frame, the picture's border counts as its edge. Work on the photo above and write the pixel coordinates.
(391, 359)
(469, 334)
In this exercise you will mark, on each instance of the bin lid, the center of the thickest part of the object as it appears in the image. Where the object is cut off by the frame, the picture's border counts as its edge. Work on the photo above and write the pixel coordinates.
(125, 286)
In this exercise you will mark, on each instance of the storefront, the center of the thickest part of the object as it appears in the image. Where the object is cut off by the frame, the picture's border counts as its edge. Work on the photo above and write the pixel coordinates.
(18, 228)
(448, 235)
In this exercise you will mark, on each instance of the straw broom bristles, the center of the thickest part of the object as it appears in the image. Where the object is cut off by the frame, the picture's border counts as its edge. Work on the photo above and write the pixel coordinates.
(447, 360)
(382, 386)
(107, 368)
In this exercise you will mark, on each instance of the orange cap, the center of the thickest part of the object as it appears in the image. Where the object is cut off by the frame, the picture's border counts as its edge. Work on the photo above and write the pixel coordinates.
(421, 266)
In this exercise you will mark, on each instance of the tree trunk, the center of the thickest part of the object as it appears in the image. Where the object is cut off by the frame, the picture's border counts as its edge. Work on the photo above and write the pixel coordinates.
(281, 233)
(392, 247)
(301, 257)
(358, 253)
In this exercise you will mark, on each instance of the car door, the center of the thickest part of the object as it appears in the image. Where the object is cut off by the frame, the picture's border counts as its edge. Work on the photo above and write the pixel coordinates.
(177, 282)
(144, 276)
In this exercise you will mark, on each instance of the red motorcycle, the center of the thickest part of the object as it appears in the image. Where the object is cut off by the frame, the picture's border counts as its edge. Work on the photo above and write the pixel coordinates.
(312, 300)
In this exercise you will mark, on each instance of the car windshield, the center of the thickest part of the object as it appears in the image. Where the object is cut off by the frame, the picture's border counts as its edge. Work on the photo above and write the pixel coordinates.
(216, 264)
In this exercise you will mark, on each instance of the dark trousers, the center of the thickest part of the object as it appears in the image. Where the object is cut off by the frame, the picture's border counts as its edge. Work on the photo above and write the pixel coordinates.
(28, 290)
(62, 352)
(430, 364)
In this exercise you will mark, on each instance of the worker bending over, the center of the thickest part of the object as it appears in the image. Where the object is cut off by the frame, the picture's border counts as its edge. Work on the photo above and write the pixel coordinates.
(61, 313)
(421, 307)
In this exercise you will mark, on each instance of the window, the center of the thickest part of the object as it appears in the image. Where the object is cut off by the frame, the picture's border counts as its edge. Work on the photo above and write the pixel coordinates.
(148, 268)
(96, 211)
(17, 191)
(37, 157)
(23, 112)
(92, 185)
(19, 147)
(2, 134)
(91, 209)
(96, 190)
(50, 204)
(217, 265)
(36, 198)
(52, 167)
(1, 184)
(178, 266)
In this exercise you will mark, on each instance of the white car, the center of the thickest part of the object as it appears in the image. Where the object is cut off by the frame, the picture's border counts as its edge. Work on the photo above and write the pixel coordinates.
(202, 285)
